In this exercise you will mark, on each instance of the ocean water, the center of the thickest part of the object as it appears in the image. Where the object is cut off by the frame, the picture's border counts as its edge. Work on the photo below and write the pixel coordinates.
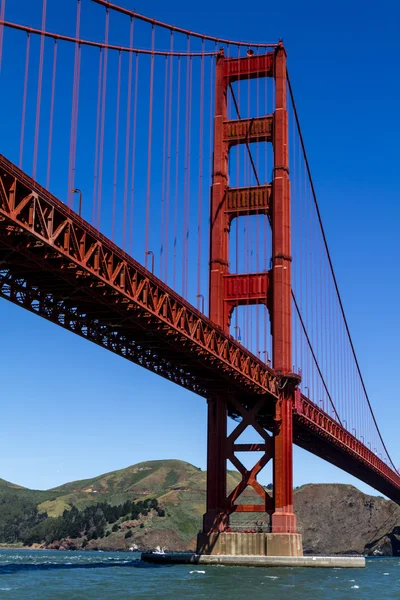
(45, 575)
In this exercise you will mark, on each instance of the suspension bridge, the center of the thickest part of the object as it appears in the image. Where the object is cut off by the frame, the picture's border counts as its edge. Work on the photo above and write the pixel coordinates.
(117, 128)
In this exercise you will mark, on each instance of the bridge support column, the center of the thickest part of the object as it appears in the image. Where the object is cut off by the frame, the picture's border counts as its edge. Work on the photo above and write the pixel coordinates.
(217, 536)
(283, 518)
(215, 518)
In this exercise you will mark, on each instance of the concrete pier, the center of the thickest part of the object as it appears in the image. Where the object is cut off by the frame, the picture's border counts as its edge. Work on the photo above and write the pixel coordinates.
(249, 544)
(342, 562)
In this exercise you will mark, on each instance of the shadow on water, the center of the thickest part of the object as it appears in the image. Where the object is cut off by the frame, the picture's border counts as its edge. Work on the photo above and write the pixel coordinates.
(23, 567)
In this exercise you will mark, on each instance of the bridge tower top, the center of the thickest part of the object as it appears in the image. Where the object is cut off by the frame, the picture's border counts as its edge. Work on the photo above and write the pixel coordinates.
(272, 288)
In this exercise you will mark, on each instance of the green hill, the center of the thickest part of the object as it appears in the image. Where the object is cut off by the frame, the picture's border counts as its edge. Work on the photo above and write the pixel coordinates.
(161, 503)
(177, 486)
(167, 480)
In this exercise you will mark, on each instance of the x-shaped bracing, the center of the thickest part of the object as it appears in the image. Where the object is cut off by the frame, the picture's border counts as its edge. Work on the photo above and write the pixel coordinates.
(249, 478)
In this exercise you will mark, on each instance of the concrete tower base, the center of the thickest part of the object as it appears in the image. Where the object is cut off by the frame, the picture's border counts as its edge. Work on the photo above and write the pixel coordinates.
(250, 544)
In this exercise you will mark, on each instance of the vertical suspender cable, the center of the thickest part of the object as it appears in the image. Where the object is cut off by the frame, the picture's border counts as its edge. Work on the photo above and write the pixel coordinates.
(168, 183)
(247, 236)
(266, 226)
(189, 174)
(326, 328)
(127, 136)
(257, 225)
(163, 171)
(103, 120)
(118, 105)
(211, 129)
(302, 259)
(178, 107)
(24, 99)
(186, 172)
(75, 105)
(150, 136)
(310, 303)
(39, 91)
(200, 185)
(238, 184)
(295, 237)
(132, 200)
(51, 120)
(2, 15)
(96, 156)
(336, 288)
(307, 280)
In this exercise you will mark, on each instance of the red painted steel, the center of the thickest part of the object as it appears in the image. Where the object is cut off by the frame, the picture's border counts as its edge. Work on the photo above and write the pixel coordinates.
(54, 264)
(249, 418)
(253, 200)
(224, 200)
(250, 67)
(283, 518)
(230, 290)
(68, 250)
(248, 130)
(216, 518)
(219, 221)
(334, 443)
(245, 289)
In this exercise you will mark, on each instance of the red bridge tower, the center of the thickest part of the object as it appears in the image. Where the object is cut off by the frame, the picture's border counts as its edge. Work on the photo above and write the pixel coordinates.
(271, 288)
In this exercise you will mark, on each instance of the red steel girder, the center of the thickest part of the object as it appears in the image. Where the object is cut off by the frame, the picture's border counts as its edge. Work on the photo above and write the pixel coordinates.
(246, 288)
(254, 200)
(249, 67)
(241, 131)
(39, 225)
(330, 440)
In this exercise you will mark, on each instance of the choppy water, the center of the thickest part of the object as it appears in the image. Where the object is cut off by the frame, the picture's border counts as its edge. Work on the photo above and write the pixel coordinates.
(43, 575)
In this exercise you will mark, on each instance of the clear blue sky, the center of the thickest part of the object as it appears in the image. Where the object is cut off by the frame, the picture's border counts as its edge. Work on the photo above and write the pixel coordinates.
(72, 410)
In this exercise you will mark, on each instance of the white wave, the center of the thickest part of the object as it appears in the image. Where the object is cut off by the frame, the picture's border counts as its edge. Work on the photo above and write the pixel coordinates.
(355, 587)
(201, 572)
(272, 576)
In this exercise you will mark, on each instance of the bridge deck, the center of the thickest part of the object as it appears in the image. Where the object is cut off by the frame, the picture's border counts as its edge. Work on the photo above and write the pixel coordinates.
(55, 264)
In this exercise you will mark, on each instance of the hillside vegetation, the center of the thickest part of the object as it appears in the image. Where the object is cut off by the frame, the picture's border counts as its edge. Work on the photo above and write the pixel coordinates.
(161, 503)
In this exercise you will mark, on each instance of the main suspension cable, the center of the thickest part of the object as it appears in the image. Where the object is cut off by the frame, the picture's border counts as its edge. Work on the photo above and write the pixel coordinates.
(331, 267)
(82, 42)
(154, 22)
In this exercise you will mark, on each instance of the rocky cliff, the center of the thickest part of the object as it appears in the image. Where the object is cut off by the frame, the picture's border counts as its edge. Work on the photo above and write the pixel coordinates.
(336, 518)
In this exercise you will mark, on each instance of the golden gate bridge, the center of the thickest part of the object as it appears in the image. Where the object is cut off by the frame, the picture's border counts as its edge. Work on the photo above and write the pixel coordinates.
(115, 128)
